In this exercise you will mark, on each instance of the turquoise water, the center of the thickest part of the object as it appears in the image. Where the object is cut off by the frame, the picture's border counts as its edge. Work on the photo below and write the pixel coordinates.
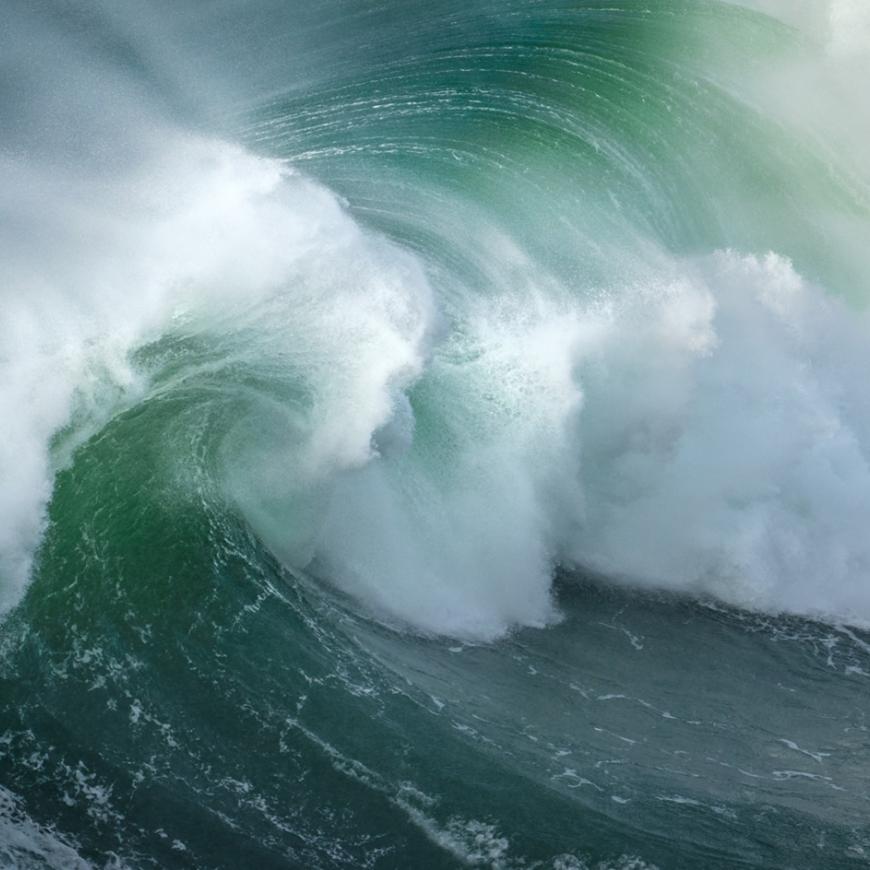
(434, 437)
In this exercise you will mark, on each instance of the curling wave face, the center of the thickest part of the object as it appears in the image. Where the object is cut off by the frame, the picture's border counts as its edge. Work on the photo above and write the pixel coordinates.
(538, 382)
(342, 351)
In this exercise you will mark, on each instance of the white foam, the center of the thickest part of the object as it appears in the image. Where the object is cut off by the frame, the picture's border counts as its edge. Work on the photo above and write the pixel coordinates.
(706, 430)
(844, 25)
(199, 237)
(25, 844)
(459, 535)
(736, 464)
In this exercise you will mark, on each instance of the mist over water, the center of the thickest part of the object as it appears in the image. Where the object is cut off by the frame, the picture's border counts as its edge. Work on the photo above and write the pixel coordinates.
(695, 423)
(361, 369)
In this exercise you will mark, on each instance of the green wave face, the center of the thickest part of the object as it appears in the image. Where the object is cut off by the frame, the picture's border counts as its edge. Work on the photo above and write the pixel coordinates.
(434, 435)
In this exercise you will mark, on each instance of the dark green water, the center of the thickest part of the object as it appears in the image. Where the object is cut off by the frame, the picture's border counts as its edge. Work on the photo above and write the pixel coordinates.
(434, 436)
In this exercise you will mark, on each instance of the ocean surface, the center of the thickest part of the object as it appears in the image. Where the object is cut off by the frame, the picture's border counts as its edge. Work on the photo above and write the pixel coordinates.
(434, 435)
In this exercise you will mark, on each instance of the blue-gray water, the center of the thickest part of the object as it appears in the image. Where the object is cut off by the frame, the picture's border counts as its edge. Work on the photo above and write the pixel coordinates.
(434, 435)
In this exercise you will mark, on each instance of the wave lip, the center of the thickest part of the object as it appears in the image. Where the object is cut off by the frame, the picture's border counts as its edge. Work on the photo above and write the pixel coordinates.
(204, 241)
(435, 432)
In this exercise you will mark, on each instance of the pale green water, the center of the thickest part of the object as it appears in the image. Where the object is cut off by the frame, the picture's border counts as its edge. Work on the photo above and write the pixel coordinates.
(434, 437)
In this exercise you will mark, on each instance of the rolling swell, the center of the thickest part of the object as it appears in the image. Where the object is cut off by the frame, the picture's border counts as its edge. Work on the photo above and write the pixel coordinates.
(298, 426)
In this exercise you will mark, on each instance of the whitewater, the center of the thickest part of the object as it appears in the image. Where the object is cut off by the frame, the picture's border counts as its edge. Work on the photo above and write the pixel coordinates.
(434, 437)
